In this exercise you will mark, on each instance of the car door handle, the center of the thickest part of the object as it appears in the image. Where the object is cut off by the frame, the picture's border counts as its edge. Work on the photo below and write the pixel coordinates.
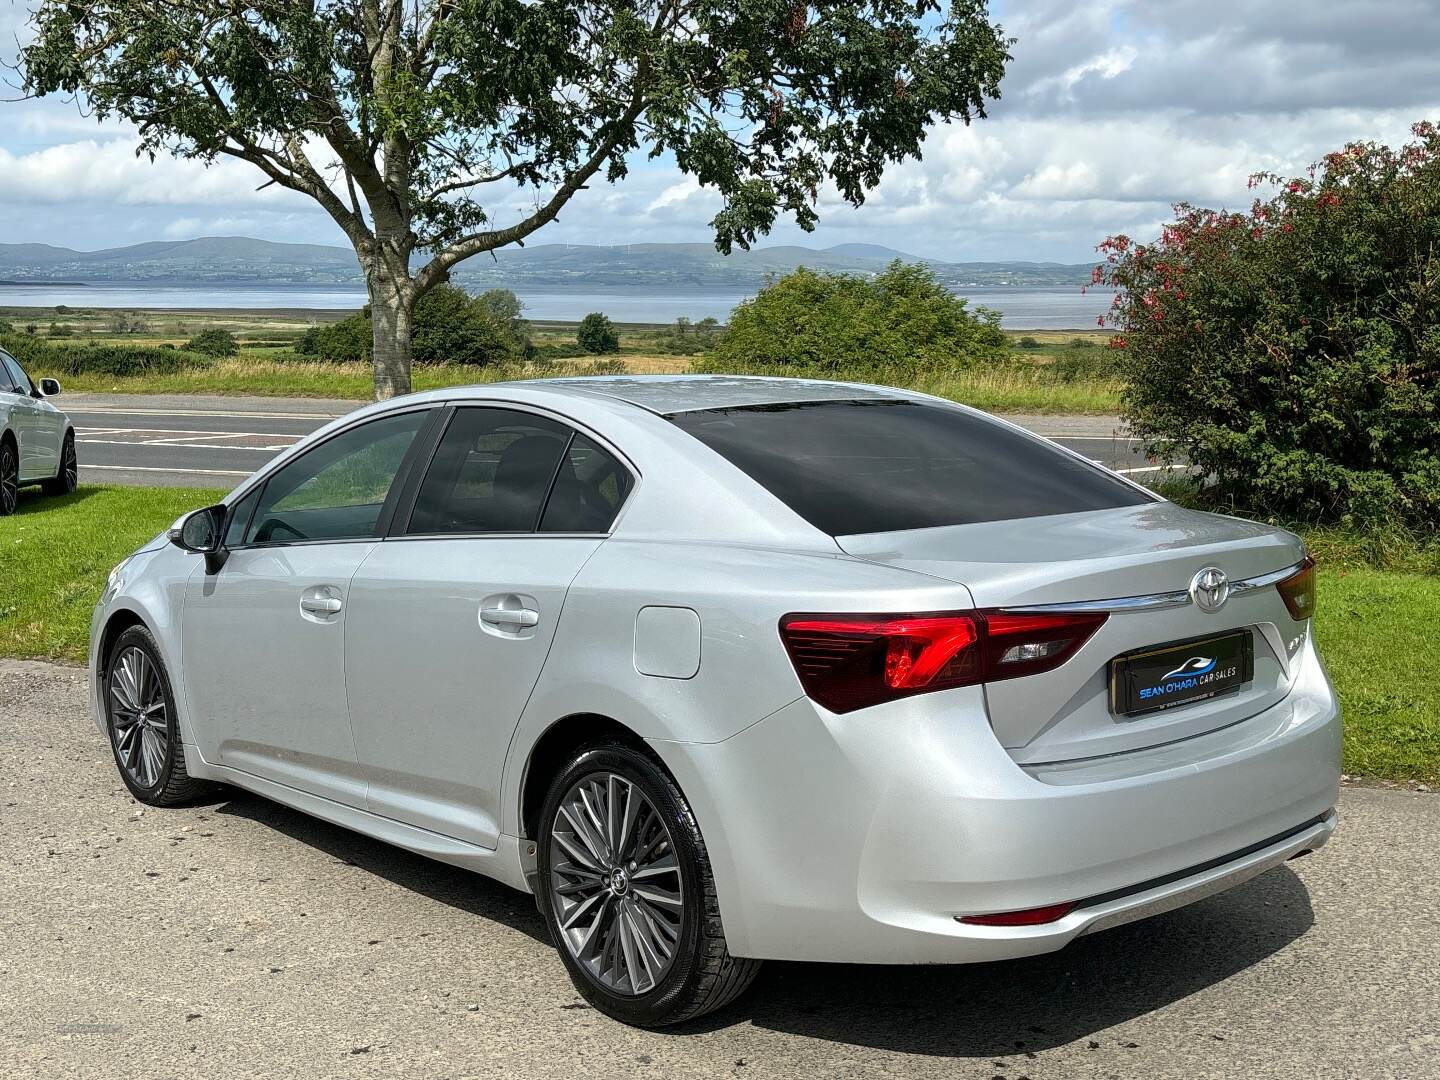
(510, 618)
(323, 600)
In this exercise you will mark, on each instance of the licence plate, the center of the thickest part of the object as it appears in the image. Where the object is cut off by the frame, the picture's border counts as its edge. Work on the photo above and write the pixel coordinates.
(1182, 673)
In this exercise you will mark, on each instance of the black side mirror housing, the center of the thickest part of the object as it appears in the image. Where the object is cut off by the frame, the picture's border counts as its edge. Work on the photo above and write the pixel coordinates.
(49, 387)
(203, 532)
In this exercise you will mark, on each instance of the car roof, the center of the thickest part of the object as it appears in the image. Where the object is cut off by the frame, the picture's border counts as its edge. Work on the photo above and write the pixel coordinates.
(665, 394)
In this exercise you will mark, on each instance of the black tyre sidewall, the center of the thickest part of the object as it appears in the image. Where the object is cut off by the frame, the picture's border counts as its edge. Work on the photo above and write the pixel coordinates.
(672, 995)
(61, 485)
(139, 637)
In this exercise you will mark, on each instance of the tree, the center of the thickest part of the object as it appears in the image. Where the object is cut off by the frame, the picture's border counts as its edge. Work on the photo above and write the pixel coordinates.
(597, 334)
(450, 327)
(1292, 353)
(395, 115)
(899, 322)
(214, 342)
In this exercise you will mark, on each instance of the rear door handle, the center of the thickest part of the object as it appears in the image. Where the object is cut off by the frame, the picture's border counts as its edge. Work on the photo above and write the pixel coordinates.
(510, 618)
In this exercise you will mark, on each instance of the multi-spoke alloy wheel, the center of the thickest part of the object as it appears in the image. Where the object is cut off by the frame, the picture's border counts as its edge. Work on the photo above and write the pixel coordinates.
(615, 883)
(68, 475)
(141, 713)
(626, 888)
(9, 479)
(139, 717)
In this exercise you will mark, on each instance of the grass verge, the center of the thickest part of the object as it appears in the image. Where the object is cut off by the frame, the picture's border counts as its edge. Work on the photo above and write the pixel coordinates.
(55, 554)
(1374, 623)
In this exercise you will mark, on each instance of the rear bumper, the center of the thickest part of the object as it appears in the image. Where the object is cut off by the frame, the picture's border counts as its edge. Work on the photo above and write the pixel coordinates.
(861, 838)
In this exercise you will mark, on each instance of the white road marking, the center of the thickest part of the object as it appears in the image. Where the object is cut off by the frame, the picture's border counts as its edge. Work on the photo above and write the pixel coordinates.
(1061, 437)
(1149, 468)
(188, 472)
(175, 433)
(182, 446)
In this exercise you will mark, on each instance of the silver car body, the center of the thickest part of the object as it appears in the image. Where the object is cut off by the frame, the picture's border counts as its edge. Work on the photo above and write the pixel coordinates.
(36, 425)
(859, 837)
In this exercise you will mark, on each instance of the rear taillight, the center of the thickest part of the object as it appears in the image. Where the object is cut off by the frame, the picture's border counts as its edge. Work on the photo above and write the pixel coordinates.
(848, 662)
(1029, 917)
(1298, 591)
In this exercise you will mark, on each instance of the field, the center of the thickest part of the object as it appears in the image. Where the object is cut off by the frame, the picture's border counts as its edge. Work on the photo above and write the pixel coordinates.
(1049, 371)
(1376, 614)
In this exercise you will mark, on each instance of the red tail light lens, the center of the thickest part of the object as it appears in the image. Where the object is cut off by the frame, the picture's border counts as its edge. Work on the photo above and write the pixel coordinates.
(848, 662)
(1298, 591)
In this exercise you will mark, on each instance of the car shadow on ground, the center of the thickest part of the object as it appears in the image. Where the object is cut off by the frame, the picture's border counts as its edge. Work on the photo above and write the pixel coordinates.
(34, 501)
(1014, 1007)
(463, 889)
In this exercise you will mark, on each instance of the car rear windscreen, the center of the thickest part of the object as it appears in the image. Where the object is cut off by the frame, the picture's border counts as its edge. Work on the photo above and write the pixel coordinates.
(884, 465)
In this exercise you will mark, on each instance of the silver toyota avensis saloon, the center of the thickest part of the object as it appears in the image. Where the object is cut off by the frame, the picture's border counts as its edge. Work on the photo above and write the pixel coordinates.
(723, 669)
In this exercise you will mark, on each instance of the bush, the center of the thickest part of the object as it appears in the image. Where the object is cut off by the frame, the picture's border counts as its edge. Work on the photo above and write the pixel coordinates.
(1027, 343)
(214, 342)
(685, 338)
(38, 355)
(1293, 352)
(450, 327)
(894, 325)
(1083, 343)
(56, 330)
(6, 328)
(597, 334)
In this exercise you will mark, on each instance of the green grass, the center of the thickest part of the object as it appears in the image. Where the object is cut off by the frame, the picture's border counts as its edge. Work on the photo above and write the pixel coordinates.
(56, 552)
(1375, 629)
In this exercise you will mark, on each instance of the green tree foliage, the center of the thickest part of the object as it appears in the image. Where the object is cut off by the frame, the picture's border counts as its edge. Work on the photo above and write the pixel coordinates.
(900, 321)
(597, 334)
(1293, 352)
(215, 342)
(685, 338)
(450, 327)
(419, 124)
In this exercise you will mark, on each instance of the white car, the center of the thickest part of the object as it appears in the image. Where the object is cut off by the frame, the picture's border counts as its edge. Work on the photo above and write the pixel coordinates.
(725, 669)
(37, 441)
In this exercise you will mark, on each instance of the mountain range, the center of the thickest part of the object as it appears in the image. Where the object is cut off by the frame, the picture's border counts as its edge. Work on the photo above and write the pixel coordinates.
(240, 260)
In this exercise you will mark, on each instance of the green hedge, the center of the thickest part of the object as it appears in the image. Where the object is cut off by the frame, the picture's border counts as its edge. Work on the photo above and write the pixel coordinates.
(37, 355)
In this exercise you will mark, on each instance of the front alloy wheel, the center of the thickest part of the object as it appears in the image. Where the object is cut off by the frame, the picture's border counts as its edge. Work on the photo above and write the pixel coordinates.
(626, 889)
(140, 711)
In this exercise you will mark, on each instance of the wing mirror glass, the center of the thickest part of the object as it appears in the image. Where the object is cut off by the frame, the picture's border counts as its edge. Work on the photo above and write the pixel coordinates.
(49, 387)
(203, 532)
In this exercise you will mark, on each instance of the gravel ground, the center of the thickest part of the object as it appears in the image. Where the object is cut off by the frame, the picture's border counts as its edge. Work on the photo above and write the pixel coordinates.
(238, 938)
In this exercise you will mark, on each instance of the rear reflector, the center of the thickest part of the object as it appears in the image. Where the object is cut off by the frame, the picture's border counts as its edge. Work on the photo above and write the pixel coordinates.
(1028, 917)
(1298, 591)
(848, 662)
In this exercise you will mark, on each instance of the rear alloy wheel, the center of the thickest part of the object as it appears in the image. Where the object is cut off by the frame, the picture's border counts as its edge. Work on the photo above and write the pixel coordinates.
(9, 478)
(626, 889)
(68, 474)
(140, 713)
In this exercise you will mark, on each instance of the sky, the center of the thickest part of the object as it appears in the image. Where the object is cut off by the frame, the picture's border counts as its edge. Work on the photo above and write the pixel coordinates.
(1112, 110)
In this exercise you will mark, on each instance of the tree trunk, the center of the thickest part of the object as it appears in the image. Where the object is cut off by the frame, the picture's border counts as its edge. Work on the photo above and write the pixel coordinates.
(392, 313)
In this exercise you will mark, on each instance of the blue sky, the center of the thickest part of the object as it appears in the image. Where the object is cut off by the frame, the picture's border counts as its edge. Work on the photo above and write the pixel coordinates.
(1112, 110)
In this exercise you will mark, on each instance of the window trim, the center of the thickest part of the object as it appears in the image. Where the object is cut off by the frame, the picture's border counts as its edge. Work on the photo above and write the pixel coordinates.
(387, 509)
(405, 510)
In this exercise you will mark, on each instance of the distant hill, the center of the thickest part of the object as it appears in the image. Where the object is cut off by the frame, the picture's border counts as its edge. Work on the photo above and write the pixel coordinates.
(240, 260)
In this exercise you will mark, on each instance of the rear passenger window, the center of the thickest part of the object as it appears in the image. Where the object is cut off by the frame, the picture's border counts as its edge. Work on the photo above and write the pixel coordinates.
(491, 473)
(589, 490)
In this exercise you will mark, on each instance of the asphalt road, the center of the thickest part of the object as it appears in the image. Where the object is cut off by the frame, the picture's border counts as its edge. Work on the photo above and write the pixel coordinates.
(237, 938)
(217, 441)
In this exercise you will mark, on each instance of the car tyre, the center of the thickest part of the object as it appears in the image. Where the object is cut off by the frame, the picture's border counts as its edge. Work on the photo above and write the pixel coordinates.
(140, 718)
(577, 863)
(9, 477)
(68, 475)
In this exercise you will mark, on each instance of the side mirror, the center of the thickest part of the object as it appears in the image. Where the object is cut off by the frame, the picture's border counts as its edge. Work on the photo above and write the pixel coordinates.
(203, 532)
(49, 387)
